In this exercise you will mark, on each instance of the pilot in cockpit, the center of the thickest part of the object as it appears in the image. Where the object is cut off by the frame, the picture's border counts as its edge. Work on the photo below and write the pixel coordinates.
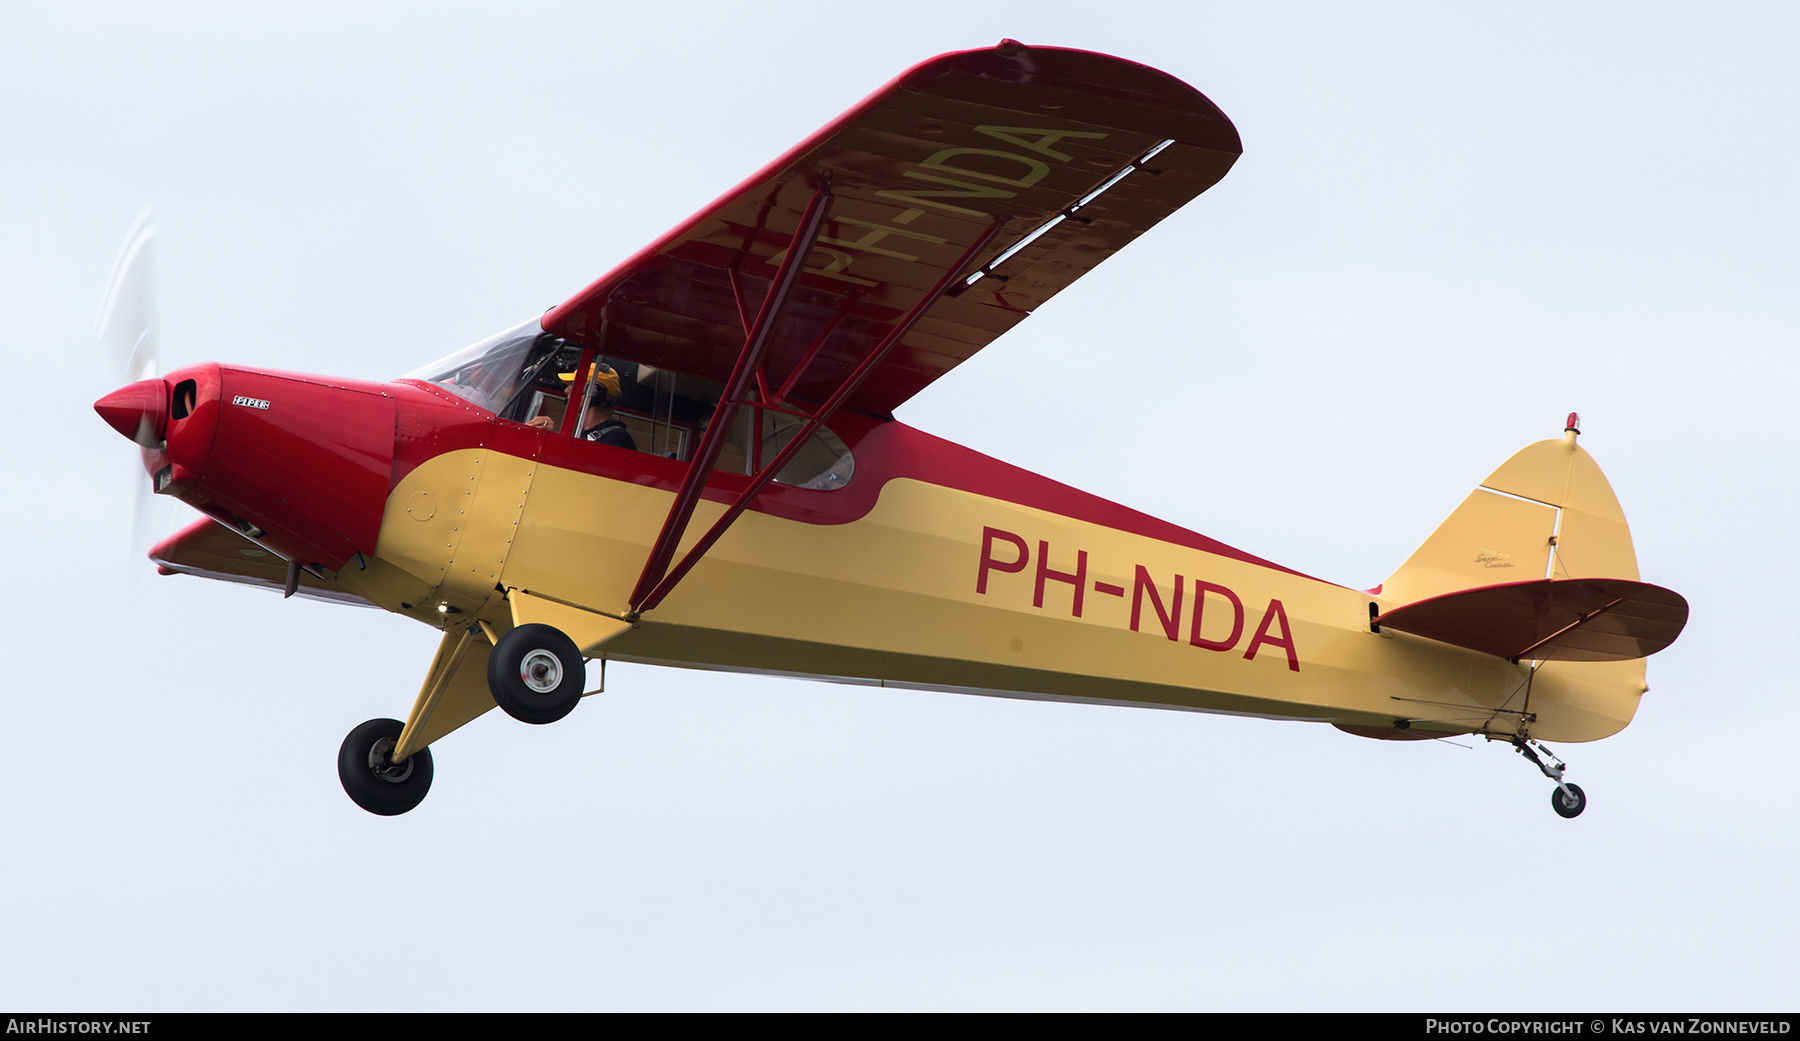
(598, 423)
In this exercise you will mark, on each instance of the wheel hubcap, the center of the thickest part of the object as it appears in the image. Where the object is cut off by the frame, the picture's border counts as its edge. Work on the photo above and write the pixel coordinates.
(381, 762)
(541, 671)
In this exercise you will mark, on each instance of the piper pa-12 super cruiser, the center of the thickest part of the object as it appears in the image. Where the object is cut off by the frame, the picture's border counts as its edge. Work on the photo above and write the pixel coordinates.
(694, 461)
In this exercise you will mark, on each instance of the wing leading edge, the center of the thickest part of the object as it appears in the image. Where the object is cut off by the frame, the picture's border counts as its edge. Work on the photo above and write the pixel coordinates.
(1061, 156)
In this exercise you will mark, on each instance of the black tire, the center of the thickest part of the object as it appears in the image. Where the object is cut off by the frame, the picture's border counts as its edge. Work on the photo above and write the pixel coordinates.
(536, 674)
(1565, 807)
(374, 783)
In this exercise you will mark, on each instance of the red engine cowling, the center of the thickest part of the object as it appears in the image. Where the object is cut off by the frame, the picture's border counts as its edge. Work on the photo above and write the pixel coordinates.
(301, 464)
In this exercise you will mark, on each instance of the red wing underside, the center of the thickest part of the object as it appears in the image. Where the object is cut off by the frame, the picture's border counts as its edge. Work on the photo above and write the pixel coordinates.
(898, 241)
(211, 550)
(1007, 139)
(1581, 619)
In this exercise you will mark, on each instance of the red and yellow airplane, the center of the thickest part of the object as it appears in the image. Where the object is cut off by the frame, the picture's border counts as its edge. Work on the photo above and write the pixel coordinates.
(693, 462)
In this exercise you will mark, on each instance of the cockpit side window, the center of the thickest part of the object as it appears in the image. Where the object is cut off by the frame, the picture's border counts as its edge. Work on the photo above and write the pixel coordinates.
(823, 463)
(667, 413)
(529, 376)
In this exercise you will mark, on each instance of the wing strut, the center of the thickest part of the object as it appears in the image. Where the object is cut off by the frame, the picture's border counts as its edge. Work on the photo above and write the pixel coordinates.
(661, 585)
(749, 361)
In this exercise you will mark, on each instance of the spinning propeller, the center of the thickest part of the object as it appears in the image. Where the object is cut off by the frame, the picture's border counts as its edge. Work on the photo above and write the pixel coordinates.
(139, 408)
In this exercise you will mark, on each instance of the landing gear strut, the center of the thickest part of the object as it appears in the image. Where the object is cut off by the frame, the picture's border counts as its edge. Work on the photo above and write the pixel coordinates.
(1568, 800)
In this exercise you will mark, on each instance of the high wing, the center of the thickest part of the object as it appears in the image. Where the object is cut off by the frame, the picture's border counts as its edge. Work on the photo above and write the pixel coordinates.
(1014, 169)
(211, 550)
(895, 243)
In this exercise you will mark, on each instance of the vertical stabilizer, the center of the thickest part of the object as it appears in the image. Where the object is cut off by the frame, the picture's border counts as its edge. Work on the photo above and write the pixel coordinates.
(1548, 512)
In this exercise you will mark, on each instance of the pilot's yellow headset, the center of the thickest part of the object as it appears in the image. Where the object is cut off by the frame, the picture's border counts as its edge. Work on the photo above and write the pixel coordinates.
(600, 375)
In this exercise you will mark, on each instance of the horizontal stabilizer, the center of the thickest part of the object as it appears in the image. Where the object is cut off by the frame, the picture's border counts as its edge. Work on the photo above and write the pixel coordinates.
(1581, 619)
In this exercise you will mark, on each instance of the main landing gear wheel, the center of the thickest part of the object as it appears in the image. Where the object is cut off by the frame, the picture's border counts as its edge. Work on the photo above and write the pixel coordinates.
(1570, 803)
(370, 776)
(536, 673)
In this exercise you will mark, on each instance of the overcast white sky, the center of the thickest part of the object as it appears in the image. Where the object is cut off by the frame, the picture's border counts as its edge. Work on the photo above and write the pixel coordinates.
(1450, 227)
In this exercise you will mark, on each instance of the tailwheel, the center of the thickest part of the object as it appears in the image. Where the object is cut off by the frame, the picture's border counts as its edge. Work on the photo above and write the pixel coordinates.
(536, 673)
(371, 777)
(1568, 799)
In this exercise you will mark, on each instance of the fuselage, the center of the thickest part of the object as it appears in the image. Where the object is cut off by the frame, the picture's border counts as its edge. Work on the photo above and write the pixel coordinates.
(934, 567)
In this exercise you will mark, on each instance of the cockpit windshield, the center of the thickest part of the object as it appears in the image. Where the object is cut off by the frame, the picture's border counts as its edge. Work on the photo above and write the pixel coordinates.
(530, 376)
(492, 373)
